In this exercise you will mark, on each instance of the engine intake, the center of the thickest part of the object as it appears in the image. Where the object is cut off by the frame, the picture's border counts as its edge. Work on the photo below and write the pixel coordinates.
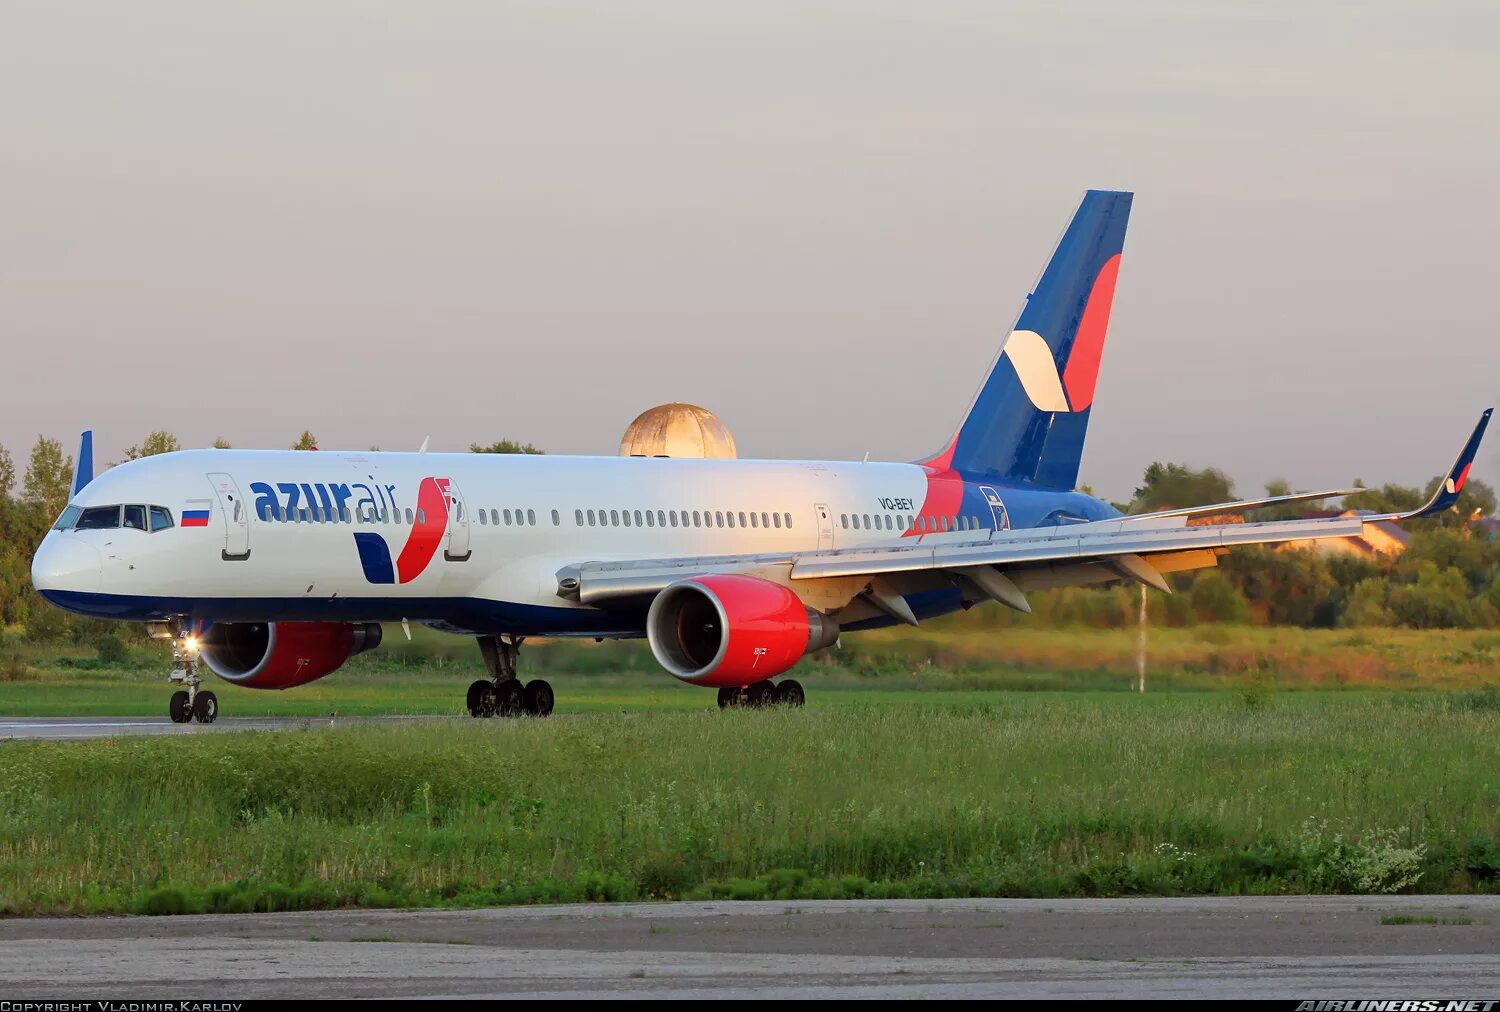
(730, 630)
(279, 655)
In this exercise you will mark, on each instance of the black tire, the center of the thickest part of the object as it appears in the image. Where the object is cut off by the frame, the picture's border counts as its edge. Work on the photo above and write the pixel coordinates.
(509, 701)
(178, 708)
(475, 698)
(729, 696)
(537, 698)
(206, 708)
(760, 694)
(789, 693)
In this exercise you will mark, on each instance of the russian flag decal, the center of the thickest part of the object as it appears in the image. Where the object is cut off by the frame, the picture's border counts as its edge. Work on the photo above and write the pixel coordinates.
(195, 518)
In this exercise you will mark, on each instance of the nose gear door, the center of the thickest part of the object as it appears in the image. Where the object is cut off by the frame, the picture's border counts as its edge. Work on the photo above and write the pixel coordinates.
(236, 516)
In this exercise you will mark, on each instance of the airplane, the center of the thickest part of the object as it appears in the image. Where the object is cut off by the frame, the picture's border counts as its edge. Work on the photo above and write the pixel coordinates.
(273, 568)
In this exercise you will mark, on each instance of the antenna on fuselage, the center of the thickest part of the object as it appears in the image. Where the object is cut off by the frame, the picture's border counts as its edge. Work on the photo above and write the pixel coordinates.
(425, 441)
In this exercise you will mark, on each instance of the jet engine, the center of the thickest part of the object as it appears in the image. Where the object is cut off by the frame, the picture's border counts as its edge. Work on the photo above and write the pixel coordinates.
(279, 655)
(732, 630)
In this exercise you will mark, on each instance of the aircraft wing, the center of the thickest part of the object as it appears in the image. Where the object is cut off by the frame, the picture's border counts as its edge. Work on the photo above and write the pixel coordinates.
(1004, 564)
(1028, 559)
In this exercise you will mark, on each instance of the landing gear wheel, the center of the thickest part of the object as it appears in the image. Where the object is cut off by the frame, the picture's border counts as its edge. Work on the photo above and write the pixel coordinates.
(537, 698)
(760, 694)
(789, 693)
(479, 692)
(729, 696)
(508, 698)
(206, 708)
(179, 709)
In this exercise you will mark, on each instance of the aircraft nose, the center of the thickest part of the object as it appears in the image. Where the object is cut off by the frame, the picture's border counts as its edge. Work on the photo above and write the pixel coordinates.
(64, 563)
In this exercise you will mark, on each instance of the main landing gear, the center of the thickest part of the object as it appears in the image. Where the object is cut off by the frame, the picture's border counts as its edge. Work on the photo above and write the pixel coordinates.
(503, 695)
(191, 701)
(759, 695)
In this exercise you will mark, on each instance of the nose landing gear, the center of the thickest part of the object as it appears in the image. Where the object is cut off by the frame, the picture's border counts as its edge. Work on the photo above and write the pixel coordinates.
(190, 701)
(759, 695)
(503, 695)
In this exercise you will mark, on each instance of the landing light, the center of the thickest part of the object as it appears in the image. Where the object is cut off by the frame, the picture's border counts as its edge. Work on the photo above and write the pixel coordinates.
(192, 643)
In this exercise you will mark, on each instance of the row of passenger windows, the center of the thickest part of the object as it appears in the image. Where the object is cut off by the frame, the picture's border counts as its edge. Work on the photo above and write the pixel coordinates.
(682, 518)
(922, 524)
(107, 518)
(527, 518)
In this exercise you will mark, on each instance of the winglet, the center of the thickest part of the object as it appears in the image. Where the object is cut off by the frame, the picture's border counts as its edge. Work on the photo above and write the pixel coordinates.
(83, 469)
(1453, 482)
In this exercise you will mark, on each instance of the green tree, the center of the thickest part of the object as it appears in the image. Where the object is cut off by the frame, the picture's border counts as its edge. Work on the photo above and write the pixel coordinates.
(504, 446)
(221, 443)
(1366, 607)
(1174, 486)
(307, 441)
(1215, 599)
(48, 477)
(7, 473)
(159, 441)
(1386, 499)
(1439, 599)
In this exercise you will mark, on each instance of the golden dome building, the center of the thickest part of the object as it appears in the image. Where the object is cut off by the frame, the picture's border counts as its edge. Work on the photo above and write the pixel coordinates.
(678, 430)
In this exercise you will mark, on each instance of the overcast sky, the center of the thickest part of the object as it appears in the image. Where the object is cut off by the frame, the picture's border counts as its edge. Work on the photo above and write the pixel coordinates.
(385, 221)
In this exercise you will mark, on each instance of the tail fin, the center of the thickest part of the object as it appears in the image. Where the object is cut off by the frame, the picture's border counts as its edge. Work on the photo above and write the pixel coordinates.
(1030, 417)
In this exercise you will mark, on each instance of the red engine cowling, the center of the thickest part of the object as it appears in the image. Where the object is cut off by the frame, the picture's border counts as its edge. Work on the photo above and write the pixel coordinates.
(279, 655)
(727, 630)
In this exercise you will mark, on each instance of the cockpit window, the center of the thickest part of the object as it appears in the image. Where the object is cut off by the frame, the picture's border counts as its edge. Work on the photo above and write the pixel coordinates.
(99, 518)
(68, 519)
(161, 518)
(135, 518)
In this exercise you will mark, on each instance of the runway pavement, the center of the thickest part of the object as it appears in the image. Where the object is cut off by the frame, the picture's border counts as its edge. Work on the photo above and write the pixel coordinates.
(1278, 947)
(62, 728)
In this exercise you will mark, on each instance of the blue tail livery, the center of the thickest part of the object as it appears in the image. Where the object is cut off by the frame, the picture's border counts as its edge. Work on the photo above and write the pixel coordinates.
(1028, 422)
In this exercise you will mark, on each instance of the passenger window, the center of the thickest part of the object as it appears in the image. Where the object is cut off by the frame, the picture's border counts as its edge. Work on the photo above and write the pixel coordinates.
(777, 518)
(507, 518)
(788, 521)
(729, 518)
(135, 518)
(591, 518)
(672, 516)
(161, 518)
(483, 519)
(627, 518)
(855, 522)
(754, 520)
(650, 520)
(718, 518)
(638, 518)
(742, 518)
(614, 518)
(695, 518)
(765, 519)
(422, 515)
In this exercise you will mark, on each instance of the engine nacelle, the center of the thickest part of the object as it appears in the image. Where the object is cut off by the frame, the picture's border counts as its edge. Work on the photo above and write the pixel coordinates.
(728, 630)
(279, 655)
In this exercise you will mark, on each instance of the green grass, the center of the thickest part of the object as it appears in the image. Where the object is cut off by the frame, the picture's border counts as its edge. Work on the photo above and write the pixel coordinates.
(1027, 794)
(1395, 919)
(960, 659)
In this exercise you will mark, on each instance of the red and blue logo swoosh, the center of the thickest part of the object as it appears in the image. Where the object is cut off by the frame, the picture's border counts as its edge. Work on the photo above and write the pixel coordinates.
(422, 541)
